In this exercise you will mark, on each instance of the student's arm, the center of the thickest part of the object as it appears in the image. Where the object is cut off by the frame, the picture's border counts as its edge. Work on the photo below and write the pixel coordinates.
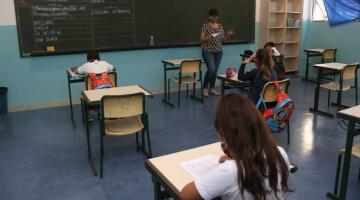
(81, 69)
(248, 76)
(189, 192)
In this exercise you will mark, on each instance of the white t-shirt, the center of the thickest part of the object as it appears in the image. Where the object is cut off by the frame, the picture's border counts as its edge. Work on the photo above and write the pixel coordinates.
(96, 67)
(222, 182)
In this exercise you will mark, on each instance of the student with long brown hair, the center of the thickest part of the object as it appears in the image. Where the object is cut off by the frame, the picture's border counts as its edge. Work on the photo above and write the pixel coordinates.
(258, 76)
(253, 167)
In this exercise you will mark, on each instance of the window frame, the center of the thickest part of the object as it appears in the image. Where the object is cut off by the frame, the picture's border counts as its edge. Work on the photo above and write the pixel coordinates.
(315, 3)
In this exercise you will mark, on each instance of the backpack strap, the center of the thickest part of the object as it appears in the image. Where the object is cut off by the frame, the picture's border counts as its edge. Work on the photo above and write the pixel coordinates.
(277, 86)
(103, 75)
(261, 102)
(93, 76)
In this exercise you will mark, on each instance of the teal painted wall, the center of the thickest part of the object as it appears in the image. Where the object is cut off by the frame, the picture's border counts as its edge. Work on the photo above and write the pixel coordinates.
(40, 80)
(346, 38)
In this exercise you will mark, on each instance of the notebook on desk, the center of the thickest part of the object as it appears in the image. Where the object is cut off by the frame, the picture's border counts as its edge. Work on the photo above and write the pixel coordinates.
(72, 74)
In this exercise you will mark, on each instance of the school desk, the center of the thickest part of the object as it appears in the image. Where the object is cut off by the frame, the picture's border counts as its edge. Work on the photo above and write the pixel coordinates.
(73, 78)
(333, 67)
(234, 82)
(311, 53)
(352, 115)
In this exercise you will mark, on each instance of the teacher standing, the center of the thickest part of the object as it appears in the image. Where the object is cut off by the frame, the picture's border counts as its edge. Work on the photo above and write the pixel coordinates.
(212, 36)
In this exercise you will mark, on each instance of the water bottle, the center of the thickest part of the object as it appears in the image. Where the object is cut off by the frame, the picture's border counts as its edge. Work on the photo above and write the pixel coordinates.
(152, 40)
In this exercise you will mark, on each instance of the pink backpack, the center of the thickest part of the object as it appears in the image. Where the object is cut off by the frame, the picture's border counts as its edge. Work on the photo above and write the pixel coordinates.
(230, 72)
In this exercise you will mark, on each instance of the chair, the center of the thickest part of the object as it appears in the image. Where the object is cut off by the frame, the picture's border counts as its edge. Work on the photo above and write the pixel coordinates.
(329, 55)
(88, 82)
(187, 75)
(124, 115)
(270, 95)
(347, 74)
(354, 152)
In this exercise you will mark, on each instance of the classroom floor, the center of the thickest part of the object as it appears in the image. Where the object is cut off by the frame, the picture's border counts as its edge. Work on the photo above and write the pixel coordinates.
(43, 157)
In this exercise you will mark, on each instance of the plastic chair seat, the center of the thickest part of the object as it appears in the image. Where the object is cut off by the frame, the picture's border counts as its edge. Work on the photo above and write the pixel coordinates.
(335, 86)
(123, 126)
(184, 79)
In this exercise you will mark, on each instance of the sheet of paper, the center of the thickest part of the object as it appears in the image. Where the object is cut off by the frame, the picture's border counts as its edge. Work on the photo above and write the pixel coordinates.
(276, 52)
(201, 166)
(215, 34)
(72, 73)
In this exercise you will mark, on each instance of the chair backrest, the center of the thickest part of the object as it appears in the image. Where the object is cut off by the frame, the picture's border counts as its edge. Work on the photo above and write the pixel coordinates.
(190, 66)
(111, 75)
(329, 55)
(349, 72)
(269, 92)
(122, 106)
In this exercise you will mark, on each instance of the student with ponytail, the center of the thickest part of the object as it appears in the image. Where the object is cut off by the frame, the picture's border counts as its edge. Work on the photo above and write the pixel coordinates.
(253, 167)
(259, 76)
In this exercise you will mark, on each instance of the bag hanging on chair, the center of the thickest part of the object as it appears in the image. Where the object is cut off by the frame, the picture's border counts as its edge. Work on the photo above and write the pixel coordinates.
(100, 82)
(278, 116)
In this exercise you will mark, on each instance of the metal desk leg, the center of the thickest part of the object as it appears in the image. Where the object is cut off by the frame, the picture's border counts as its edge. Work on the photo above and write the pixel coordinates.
(165, 85)
(347, 158)
(71, 105)
(222, 87)
(346, 166)
(315, 109)
(157, 189)
(86, 113)
(307, 67)
(166, 91)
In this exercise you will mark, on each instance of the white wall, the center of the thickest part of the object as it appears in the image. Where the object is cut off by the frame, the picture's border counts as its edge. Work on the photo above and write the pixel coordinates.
(7, 12)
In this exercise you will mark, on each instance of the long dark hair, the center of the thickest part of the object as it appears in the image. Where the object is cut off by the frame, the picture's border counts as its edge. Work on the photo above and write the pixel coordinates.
(262, 60)
(250, 143)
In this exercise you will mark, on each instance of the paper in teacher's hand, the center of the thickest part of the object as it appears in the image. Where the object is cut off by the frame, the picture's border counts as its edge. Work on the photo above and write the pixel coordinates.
(215, 34)
(276, 52)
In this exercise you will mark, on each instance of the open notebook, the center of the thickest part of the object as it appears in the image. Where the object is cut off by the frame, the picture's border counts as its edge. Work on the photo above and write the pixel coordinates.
(201, 166)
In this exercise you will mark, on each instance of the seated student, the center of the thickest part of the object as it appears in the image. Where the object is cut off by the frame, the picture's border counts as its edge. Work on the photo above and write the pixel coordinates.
(253, 167)
(277, 61)
(93, 65)
(259, 76)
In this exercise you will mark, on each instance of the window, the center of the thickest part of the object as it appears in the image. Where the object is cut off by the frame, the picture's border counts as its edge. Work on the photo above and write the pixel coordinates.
(318, 11)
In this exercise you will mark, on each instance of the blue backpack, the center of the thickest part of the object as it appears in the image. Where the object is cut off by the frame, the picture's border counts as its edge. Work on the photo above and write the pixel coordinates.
(278, 116)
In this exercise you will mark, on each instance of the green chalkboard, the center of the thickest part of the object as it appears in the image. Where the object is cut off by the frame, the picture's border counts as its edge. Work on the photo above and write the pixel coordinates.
(47, 27)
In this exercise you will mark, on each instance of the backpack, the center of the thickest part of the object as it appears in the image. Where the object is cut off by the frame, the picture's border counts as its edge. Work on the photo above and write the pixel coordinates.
(277, 117)
(230, 72)
(100, 82)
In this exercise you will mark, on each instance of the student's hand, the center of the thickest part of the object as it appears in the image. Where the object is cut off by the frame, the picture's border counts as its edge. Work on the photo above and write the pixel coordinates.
(223, 158)
(73, 68)
(208, 37)
(247, 60)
